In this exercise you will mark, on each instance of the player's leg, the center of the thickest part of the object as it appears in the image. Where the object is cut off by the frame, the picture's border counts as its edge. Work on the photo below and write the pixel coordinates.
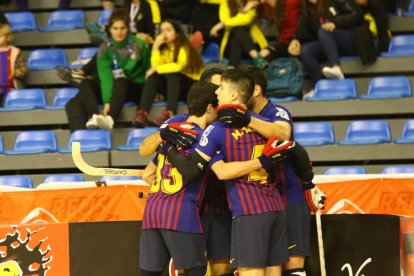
(153, 255)
(188, 251)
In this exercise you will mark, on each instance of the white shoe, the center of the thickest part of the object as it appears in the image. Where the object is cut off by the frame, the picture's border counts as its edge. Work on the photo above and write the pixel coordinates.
(334, 72)
(92, 122)
(309, 94)
(105, 122)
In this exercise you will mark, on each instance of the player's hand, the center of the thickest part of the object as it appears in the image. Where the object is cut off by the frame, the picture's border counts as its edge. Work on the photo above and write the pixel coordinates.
(315, 198)
(180, 134)
(234, 115)
(165, 147)
(275, 151)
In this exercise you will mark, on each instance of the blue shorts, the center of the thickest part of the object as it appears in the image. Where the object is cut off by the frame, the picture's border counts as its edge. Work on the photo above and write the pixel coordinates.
(157, 246)
(259, 240)
(217, 232)
(298, 228)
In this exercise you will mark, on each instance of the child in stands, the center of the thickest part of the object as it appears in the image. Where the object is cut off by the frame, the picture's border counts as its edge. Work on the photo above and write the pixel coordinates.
(13, 65)
(175, 65)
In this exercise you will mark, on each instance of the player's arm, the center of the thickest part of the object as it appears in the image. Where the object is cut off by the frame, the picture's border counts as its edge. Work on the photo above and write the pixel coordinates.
(230, 170)
(280, 129)
(149, 173)
(188, 167)
(150, 144)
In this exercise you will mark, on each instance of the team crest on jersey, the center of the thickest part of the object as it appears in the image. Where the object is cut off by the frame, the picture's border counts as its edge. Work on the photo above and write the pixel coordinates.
(282, 113)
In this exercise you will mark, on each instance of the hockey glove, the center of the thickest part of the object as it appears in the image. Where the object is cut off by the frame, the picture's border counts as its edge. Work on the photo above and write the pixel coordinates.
(180, 134)
(234, 115)
(275, 151)
(315, 198)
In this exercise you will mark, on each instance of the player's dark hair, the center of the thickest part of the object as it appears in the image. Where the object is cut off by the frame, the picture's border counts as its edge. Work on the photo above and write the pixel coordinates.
(242, 80)
(258, 77)
(200, 95)
(209, 73)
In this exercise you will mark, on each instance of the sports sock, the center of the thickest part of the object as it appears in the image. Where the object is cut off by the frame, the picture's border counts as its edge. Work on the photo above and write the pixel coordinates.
(294, 272)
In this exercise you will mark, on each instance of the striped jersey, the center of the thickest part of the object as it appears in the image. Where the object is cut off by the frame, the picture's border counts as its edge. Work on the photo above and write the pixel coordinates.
(173, 202)
(250, 194)
(287, 180)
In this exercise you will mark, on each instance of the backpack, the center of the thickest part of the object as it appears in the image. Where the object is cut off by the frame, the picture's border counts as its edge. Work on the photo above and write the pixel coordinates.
(284, 78)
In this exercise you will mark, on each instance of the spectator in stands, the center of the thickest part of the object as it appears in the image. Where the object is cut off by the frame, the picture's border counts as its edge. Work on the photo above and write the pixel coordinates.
(23, 5)
(285, 15)
(13, 66)
(3, 18)
(238, 18)
(325, 32)
(378, 10)
(205, 17)
(142, 25)
(178, 10)
(122, 64)
(175, 65)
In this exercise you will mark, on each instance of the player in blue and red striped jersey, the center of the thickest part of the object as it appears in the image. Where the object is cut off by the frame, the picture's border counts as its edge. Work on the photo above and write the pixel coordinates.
(259, 241)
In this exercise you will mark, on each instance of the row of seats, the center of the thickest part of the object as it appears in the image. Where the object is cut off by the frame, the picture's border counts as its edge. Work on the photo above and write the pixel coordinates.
(358, 132)
(26, 181)
(45, 141)
(61, 20)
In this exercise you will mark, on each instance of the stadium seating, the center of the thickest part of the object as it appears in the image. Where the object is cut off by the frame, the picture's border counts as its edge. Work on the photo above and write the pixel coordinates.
(211, 53)
(21, 21)
(19, 181)
(104, 17)
(314, 133)
(407, 136)
(34, 142)
(46, 59)
(62, 96)
(330, 90)
(90, 139)
(388, 87)
(398, 169)
(64, 178)
(1, 144)
(118, 178)
(367, 132)
(25, 99)
(410, 11)
(64, 20)
(400, 45)
(284, 99)
(84, 57)
(135, 137)
(345, 170)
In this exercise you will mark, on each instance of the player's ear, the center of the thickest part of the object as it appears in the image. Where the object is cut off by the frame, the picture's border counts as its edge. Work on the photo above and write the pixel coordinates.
(257, 90)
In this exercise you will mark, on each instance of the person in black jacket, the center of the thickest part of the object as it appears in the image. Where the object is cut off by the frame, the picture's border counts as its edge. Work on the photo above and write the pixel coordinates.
(325, 33)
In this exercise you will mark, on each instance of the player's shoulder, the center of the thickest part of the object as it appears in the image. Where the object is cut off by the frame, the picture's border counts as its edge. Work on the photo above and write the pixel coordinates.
(277, 111)
(177, 119)
(260, 117)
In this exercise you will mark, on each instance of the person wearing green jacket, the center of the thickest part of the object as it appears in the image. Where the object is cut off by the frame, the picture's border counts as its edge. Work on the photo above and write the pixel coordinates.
(122, 63)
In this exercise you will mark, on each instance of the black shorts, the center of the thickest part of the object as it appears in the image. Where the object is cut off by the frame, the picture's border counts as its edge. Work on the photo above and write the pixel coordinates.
(298, 227)
(259, 240)
(157, 246)
(217, 232)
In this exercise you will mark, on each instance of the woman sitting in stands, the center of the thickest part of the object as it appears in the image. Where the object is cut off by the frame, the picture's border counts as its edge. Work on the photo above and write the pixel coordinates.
(238, 19)
(175, 65)
(122, 63)
(13, 66)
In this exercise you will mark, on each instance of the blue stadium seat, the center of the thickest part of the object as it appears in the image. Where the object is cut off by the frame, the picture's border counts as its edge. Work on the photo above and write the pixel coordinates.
(284, 99)
(135, 137)
(164, 103)
(90, 139)
(407, 136)
(410, 11)
(84, 56)
(211, 53)
(62, 96)
(367, 132)
(46, 59)
(345, 170)
(104, 16)
(21, 21)
(331, 90)
(400, 45)
(118, 178)
(64, 20)
(398, 169)
(1, 144)
(388, 87)
(64, 178)
(19, 181)
(34, 142)
(25, 99)
(314, 133)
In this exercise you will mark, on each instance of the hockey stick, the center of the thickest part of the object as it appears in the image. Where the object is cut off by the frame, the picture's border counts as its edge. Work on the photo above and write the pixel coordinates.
(89, 170)
(320, 242)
